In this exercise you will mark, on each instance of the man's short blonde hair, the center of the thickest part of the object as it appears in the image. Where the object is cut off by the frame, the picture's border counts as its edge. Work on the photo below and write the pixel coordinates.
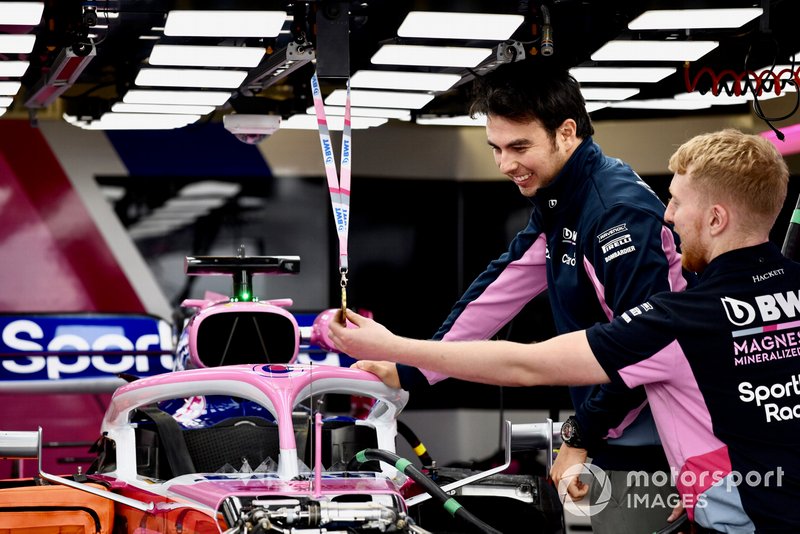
(742, 168)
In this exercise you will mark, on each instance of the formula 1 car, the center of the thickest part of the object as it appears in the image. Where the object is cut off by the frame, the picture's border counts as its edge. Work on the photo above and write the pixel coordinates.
(224, 443)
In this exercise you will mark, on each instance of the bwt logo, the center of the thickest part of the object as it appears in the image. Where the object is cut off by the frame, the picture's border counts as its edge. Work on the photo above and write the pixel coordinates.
(327, 150)
(346, 151)
(770, 308)
(341, 218)
(569, 235)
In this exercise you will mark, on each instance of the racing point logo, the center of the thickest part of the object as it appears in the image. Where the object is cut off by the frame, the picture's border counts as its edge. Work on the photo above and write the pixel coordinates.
(584, 507)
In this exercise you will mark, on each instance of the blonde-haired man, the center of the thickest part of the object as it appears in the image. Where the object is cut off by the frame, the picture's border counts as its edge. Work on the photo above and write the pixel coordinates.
(720, 362)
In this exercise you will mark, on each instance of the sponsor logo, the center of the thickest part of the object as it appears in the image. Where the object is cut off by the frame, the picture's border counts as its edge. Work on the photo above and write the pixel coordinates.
(766, 276)
(780, 390)
(552, 202)
(345, 151)
(620, 252)
(569, 236)
(773, 346)
(568, 260)
(636, 311)
(341, 218)
(614, 230)
(79, 337)
(327, 151)
(616, 243)
(770, 308)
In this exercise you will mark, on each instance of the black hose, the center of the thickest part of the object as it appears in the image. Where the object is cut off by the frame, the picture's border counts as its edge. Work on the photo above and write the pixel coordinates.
(415, 442)
(406, 467)
(791, 245)
(676, 526)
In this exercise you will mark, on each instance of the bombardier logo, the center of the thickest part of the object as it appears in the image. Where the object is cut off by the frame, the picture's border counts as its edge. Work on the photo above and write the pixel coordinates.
(770, 308)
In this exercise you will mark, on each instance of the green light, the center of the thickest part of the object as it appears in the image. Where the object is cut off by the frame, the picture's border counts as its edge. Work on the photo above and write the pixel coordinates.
(245, 296)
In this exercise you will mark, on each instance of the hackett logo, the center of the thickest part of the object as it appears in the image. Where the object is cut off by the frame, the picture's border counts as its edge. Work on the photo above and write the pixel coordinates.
(770, 307)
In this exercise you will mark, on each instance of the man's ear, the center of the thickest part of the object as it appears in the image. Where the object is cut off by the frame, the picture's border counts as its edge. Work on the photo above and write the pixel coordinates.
(719, 218)
(567, 133)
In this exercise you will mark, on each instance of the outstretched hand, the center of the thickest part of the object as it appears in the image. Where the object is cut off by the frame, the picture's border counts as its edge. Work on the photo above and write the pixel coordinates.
(369, 340)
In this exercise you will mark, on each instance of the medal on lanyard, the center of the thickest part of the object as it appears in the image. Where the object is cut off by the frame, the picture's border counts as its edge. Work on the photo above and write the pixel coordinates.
(338, 185)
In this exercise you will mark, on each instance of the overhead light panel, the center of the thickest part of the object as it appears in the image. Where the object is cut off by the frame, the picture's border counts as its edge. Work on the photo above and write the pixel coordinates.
(386, 113)
(195, 98)
(309, 122)
(9, 88)
(17, 44)
(379, 99)
(449, 25)
(213, 23)
(459, 120)
(430, 56)
(403, 81)
(122, 107)
(621, 74)
(686, 19)
(21, 13)
(217, 79)
(724, 99)
(662, 103)
(619, 50)
(210, 188)
(596, 105)
(206, 56)
(183, 203)
(135, 121)
(13, 69)
(608, 93)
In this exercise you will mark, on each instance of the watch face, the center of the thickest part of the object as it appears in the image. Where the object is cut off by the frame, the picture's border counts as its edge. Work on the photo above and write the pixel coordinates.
(566, 431)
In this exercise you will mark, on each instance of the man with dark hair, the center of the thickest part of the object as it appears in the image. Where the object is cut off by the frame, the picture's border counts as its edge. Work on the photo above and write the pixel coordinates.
(720, 361)
(597, 241)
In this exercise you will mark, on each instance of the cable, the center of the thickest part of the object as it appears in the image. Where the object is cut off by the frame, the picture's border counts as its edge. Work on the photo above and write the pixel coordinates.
(546, 47)
(752, 82)
(791, 245)
(405, 467)
(415, 442)
(757, 105)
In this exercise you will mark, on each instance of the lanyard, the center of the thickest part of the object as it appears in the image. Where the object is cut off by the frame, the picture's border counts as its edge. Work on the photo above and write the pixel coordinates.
(338, 185)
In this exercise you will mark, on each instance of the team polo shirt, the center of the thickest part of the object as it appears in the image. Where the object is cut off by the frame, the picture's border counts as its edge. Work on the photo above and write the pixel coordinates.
(721, 366)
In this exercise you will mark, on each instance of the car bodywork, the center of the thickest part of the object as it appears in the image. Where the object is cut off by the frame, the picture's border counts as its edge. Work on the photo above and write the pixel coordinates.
(239, 437)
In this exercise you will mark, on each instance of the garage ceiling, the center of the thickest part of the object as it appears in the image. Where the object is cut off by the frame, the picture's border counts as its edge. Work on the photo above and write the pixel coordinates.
(92, 54)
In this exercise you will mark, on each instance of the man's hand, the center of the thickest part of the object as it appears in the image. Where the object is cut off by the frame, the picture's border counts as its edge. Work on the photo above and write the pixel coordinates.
(568, 457)
(369, 340)
(386, 371)
(676, 514)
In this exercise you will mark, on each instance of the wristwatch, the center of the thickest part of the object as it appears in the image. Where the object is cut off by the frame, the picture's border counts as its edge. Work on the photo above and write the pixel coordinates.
(571, 434)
